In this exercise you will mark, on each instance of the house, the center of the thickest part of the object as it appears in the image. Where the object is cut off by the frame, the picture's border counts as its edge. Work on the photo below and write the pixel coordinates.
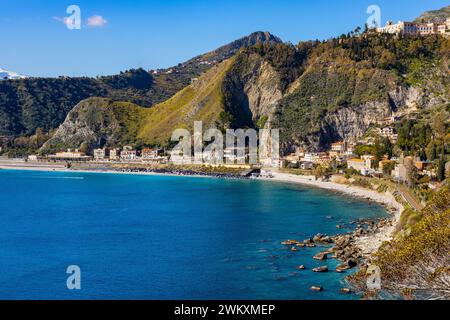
(128, 154)
(151, 154)
(101, 154)
(35, 157)
(389, 133)
(293, 158)
(356, 164)
(272, 163)
(235, 155)
(363, 165)
(322, 158)
(304, 165)
(310, 157)
(114, 154)
(339, 147)
(422, 165)
(70, 155)
(400, 172)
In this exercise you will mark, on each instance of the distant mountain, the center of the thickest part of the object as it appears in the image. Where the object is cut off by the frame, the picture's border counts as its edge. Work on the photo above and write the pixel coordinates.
(9, 75)
(439, 15)
(29, 104)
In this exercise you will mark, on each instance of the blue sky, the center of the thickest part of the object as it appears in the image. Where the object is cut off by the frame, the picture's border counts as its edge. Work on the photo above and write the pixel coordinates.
(161, 33)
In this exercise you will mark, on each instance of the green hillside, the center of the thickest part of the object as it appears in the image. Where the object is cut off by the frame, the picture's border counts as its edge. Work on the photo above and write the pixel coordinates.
(201, 101)
(97, 122)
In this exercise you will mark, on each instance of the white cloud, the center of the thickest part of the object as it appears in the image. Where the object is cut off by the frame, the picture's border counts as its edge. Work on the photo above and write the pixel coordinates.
(97, 21)
(64, 20)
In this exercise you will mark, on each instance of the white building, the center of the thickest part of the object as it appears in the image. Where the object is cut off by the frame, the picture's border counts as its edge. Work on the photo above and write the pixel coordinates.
(388, 132)
(128, 155)
(310, 157)
(151, 154)
(412, 28)
(363, 165)
(101, 154)
(114, 154)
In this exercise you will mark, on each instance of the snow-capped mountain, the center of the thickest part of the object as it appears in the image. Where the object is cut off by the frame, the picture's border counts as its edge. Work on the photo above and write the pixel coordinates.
(7, 75)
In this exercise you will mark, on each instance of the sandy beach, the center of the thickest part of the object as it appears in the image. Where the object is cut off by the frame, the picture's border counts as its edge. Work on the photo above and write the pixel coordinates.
(368, 244)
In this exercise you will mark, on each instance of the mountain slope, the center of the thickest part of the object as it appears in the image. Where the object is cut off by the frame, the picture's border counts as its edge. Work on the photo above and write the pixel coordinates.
(315, 93)
(201, 101)
(351, 84)
(213, 99)
(98, 122)
(439, 15)
(29, 104)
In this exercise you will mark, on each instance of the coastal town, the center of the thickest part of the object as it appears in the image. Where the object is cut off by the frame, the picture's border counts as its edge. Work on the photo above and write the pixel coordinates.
(342, 157)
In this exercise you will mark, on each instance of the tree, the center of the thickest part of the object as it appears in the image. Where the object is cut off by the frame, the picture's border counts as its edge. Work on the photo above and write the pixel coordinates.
(411, 173)
(430, 151)
(441, 169)
(320, 172)
(388, 168)
(439, 123)
(366, 28)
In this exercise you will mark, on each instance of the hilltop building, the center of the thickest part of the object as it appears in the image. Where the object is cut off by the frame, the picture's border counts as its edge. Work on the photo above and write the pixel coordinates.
(413, 28)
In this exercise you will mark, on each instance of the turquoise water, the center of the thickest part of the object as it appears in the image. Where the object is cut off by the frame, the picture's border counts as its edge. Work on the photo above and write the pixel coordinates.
(160, 237)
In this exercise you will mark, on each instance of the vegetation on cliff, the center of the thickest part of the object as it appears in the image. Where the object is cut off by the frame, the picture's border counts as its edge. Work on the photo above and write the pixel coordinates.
(417, 261)
(351, 72)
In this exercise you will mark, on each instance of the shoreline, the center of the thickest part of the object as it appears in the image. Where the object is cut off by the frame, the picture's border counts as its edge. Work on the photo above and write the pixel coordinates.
(367, 243)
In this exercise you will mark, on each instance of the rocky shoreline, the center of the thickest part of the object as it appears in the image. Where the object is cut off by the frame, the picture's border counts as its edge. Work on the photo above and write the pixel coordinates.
(342, 247)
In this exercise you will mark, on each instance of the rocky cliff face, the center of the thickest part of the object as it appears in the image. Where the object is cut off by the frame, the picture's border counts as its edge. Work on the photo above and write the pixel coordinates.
(97, 122)
(351, 123)
(252, 90)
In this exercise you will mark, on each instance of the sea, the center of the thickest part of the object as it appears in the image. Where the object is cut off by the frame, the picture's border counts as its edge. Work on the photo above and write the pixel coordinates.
(122, 236)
